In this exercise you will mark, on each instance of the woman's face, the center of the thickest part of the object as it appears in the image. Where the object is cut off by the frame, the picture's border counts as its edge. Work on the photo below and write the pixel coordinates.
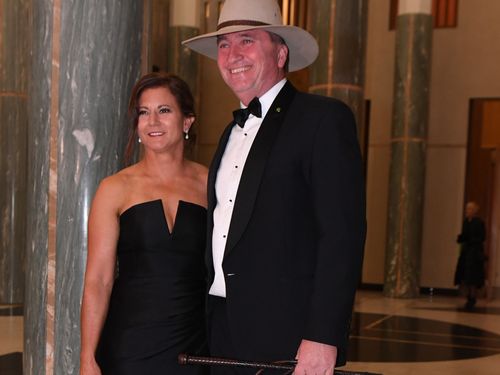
(161, 124)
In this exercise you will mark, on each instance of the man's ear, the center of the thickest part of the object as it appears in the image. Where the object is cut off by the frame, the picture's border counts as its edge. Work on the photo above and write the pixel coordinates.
(282, 55)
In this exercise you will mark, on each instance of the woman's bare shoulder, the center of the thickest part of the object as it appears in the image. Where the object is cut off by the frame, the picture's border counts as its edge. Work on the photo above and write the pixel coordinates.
(199, 171)
(115, 188)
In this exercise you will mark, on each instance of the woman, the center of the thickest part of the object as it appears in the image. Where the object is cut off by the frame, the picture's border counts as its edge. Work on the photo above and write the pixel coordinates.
(469, 273)
(148, 220)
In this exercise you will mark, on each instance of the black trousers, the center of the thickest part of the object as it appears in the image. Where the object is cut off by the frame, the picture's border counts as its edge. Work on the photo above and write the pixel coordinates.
(222, 344)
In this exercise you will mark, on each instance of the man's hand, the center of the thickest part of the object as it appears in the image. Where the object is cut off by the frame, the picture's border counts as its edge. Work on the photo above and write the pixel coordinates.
(315, 358)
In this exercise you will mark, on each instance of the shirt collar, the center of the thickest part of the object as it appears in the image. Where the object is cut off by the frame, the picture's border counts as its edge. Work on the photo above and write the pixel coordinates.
(267, 99)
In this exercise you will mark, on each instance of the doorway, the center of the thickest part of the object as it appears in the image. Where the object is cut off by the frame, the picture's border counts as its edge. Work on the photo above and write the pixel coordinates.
(482, 177)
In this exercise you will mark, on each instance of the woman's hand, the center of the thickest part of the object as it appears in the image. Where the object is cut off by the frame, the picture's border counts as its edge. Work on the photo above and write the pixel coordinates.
(89, 367)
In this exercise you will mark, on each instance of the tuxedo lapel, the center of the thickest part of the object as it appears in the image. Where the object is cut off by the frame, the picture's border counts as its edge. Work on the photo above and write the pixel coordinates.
(214, 167)
(255, 165)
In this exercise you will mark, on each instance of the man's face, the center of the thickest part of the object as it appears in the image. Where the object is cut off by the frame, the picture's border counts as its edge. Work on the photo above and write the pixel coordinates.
(471, 209)
(250, 62)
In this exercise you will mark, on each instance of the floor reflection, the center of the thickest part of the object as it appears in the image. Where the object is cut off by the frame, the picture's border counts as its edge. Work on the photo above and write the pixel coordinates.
(392, 338)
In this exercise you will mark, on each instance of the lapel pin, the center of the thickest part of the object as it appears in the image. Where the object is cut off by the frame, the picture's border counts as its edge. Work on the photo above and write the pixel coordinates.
(278, 109)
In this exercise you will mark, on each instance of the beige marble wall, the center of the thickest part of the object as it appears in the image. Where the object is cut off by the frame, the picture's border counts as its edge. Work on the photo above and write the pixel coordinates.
(215, 110)
(443, 208)
(464, 66)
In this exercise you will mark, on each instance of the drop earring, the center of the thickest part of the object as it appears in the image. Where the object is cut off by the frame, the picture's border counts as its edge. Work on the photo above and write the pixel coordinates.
(139, 140)
(186, 134)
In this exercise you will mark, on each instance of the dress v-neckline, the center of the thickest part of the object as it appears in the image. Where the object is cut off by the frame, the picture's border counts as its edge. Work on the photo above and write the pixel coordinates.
(180, 202)
(158, 203)
(170, 230)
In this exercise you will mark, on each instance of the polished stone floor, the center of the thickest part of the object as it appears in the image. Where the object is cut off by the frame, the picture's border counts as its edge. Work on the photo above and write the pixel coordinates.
(428, 335)
(389, 336)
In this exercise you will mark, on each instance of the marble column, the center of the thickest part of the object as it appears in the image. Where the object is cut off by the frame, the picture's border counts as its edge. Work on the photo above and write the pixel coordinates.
(86, 56)
(158, 13)
(340, 28)
(184, 23)
(408, 148)
(14, 56)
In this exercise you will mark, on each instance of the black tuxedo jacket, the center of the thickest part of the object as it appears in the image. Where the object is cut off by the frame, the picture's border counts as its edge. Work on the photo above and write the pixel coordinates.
(295, 244)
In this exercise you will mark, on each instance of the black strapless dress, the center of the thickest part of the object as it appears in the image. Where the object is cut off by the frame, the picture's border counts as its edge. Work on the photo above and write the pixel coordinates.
(157, 307)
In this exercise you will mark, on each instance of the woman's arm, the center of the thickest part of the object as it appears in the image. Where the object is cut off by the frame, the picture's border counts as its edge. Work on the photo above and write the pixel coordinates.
(103, 231)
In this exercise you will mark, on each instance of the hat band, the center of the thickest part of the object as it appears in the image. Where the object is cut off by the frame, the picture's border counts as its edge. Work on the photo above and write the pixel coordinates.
(241, 23)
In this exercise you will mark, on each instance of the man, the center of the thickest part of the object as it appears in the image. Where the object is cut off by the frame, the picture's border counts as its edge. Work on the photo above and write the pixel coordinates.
(286, 201)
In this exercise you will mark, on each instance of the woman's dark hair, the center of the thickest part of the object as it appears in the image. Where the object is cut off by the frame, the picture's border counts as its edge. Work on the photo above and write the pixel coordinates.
(176, 85)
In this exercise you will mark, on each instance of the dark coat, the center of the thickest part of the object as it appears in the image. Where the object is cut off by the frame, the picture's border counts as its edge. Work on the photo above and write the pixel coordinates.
(295, 245)
(470, 265)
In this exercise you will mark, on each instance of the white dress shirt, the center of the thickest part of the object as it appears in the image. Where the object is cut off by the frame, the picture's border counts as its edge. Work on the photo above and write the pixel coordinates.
(228, 180)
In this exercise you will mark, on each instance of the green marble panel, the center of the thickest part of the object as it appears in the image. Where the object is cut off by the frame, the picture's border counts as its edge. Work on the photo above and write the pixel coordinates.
(356, 101)
(412, 75)
(182, 60)
(100, 60)
(14, 67)
(408, 153)
(404, 225)
(341, 24)
(340, 28)
(320, 29)
(14, 45)
(13, 165)
(35, 309)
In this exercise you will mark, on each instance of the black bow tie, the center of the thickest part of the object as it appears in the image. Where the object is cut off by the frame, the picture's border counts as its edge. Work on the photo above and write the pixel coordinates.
(241, 115)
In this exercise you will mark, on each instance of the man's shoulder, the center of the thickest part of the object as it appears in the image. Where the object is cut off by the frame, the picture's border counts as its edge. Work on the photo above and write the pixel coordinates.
(321, 103)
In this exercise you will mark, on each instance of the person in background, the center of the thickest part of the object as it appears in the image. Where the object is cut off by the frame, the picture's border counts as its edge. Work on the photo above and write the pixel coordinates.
(286, 201)
(147, 227)
(469, 273)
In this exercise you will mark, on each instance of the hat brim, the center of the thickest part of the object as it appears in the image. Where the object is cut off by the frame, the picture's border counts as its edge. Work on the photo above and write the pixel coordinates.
(302, 47)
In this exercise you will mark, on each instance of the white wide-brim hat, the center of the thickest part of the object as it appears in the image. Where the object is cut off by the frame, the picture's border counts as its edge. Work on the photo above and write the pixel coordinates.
(241, 15)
